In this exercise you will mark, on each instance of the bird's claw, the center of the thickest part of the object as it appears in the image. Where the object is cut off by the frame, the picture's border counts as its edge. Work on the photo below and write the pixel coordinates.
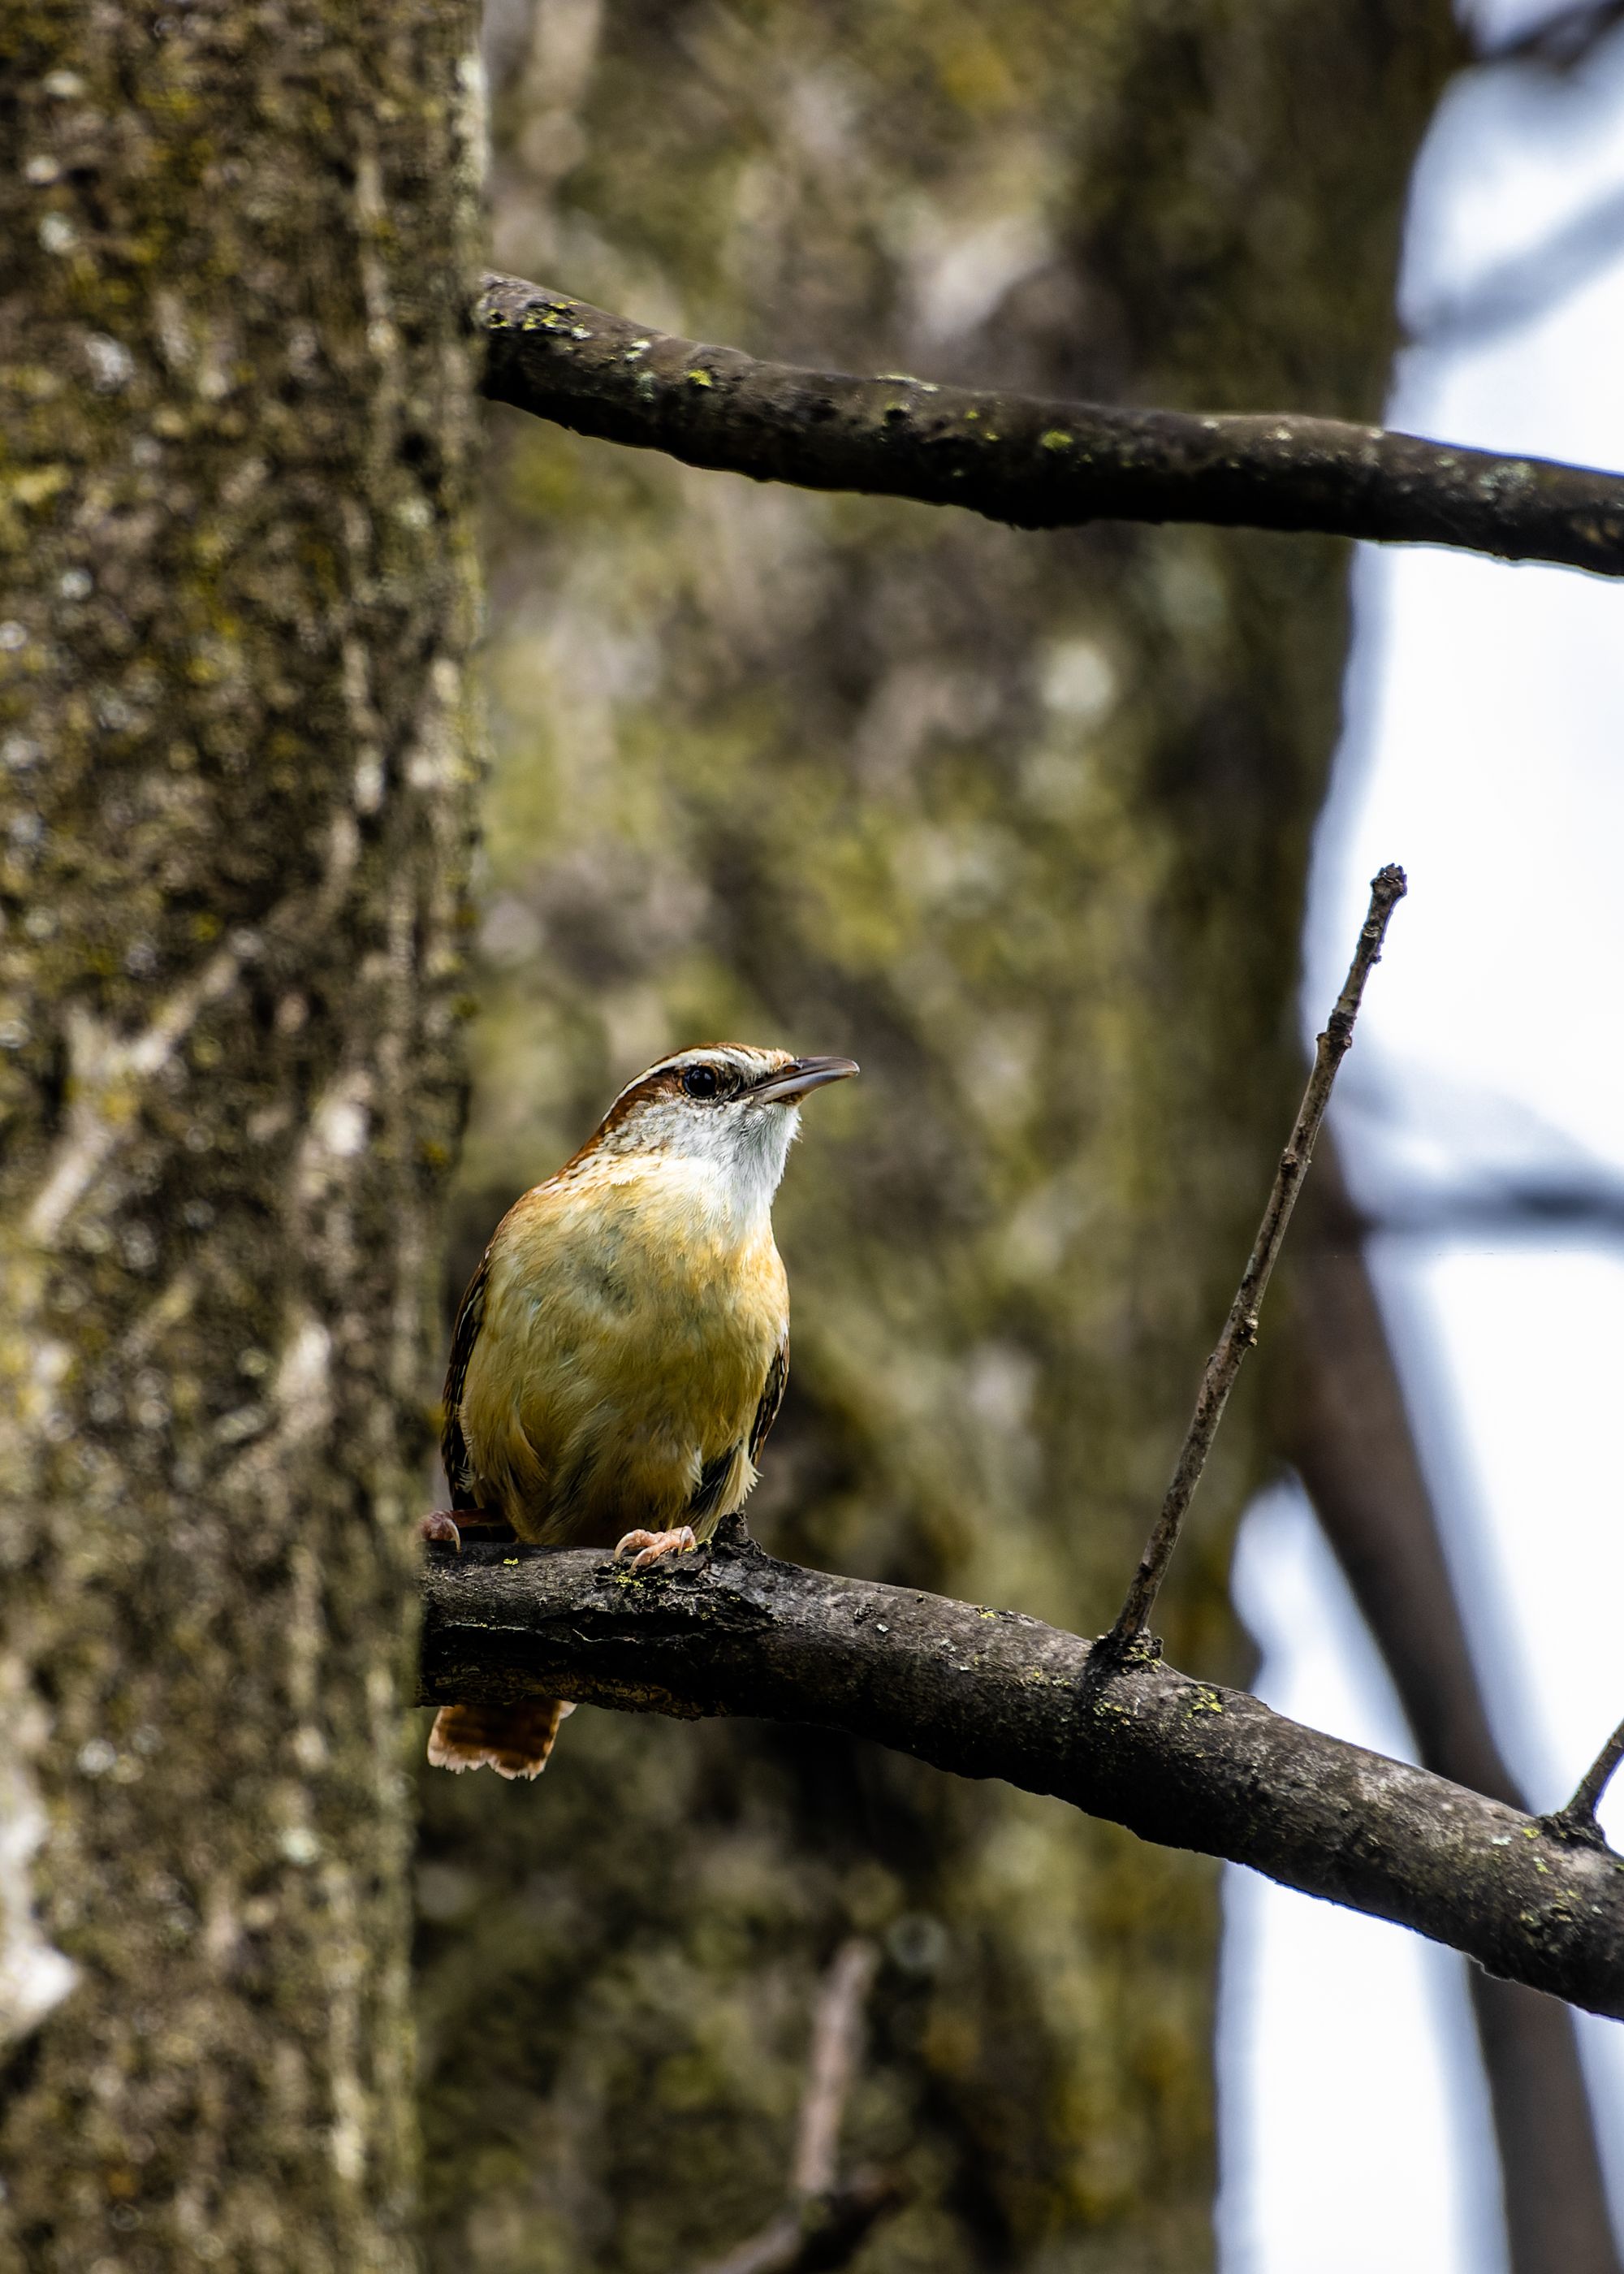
(440, 1527)
(646, 1548)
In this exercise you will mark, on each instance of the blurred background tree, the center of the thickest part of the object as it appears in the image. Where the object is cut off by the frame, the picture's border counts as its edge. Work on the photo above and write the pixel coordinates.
(1020, 822)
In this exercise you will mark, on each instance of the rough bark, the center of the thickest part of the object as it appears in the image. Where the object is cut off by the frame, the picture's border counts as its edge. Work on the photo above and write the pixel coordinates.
(1035, 463)
(1021, 821)
(233, 722)
(987, 1693)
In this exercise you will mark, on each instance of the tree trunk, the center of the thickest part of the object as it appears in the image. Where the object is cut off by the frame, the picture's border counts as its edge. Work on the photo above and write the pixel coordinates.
(1022, 823)
(234, 727)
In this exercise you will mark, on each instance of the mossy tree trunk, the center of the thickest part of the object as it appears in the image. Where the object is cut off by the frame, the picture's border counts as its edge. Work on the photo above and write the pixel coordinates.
(1022, 823)
(233, 735)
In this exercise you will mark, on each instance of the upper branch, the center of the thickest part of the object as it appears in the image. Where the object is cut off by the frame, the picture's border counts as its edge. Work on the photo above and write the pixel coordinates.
(990, 1693)
(1018, 459)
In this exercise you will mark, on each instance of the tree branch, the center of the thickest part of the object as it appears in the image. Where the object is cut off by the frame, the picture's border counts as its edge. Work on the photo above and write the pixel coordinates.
(1563, 41)
(1240, 1329)
(1578, 1818)
(1022, 459)
(819, 2232)
(836, 2032)
(1516, 290)
(1345, 1426)
(992, 1693)
(827, 2220)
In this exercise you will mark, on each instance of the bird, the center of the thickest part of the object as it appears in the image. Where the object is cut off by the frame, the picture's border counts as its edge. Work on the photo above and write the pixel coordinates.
(622, 1349)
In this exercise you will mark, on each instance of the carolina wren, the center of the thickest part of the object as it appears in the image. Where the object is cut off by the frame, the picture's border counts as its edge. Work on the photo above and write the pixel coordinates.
(622, 1349)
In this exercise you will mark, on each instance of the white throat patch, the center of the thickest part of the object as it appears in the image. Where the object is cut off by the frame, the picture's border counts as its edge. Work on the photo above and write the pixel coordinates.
(738, 1150)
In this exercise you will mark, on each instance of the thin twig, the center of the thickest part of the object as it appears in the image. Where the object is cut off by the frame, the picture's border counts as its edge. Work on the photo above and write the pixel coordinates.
(837, 2033)
(1578, 1818)
(1563, 40)
(821, 2234)
(1240, 1329)
(1033, 462)
(826, 2219)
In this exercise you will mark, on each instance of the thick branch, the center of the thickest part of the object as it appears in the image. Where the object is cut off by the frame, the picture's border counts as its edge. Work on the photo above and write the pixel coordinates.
(1021, 459)
(991, 1693)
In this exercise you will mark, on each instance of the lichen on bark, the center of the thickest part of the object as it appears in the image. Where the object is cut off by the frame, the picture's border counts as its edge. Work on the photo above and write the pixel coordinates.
(235, 764)
(1022, 823)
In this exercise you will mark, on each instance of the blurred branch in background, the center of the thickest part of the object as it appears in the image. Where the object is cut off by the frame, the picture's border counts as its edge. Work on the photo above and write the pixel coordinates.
(827, 2220)
(1515, 290)
(1347, 1432)
(989, 1693)
(1519, 1207)
(1027, 460)
(1563, 40)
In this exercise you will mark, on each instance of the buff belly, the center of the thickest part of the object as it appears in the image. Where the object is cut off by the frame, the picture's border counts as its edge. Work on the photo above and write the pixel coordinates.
(624, 1349)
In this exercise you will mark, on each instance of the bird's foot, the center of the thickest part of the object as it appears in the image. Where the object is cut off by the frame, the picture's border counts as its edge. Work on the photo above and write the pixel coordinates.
(646, 1548)
(440, 1529)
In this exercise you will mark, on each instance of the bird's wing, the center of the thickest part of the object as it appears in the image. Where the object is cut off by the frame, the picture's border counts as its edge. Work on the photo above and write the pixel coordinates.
(453, 1443)
(715, 1480)
(726, 1480)
(772, 1397)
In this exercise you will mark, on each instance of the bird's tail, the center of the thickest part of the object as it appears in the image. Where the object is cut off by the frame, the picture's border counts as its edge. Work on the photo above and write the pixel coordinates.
(513, 1740)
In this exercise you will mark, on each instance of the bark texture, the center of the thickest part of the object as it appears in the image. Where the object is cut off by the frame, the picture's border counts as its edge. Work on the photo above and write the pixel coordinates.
(234, 732)
(1021, 822)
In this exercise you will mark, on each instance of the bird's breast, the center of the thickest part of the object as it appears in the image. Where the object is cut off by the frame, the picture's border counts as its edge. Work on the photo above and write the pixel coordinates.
(628, 1330)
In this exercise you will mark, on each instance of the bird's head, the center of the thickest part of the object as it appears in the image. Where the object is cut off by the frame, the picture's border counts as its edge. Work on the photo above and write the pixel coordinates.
(724, 1107)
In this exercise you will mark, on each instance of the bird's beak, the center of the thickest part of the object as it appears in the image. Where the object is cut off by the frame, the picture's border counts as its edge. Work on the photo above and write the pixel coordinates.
(794, 1081)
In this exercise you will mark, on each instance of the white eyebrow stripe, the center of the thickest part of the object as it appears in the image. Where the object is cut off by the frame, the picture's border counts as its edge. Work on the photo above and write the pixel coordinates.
(717, 1057)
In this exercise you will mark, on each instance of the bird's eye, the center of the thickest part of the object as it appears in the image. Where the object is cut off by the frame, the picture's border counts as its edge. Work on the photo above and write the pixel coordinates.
(701, 1082)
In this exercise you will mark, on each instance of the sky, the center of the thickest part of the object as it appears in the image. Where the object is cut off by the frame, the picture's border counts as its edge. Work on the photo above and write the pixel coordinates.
(1483, 748)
